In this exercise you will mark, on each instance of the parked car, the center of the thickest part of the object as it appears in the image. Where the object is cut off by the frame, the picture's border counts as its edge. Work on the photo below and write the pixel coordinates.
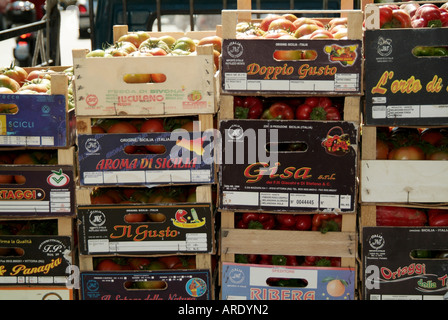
(84, 17)
(3, 5)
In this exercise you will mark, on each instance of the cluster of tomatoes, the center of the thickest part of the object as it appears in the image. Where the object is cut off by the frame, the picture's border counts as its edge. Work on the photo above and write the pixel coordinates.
(143, 195)
(413, 15)
(289, 26)
(288, 108)
(143, 43)
(21, 157)
(285, 221)
(288, 260)
(143, 125)
(399, 143)
(15, 79)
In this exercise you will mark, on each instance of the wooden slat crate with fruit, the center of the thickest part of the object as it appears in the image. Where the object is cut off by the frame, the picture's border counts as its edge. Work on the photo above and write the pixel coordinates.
(399, 170)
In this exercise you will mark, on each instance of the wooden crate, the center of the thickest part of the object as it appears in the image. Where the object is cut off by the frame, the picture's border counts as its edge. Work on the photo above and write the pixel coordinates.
(203, 194)
(84, 123)
(100, 91)
(351, 112)
(299, 243)
(399, 181)
(204, 264)
(41, 121)
(242, 73)
(151, 175)
(121, 30)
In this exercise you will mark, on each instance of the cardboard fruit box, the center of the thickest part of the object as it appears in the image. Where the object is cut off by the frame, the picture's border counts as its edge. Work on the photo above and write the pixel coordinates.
(392, 272)
(403, 88)
(189, 87)
(158, 285)
(288, 165)
(35, 260)
(38, 120)
(179, 228)
(188, 158)
(161, 281)
(252, 282)
(274, 66)
(48, 190)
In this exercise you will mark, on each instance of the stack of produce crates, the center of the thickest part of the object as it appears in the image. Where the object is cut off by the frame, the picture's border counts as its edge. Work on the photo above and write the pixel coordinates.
(37, 188)
(279, 206)
(403, 203)
(145, 209)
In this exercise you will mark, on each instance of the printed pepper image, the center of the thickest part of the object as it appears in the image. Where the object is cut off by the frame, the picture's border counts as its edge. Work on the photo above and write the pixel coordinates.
(337, 144)
(345, 55)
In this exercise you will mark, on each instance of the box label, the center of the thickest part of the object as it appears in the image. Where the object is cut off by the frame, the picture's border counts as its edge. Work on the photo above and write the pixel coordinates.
(186, 228)
(310, 166)
(262, 65)
(402, 88)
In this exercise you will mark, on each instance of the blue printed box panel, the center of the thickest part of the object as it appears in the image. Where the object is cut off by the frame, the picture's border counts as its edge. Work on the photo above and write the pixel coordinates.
(35, 120)
(260, 282)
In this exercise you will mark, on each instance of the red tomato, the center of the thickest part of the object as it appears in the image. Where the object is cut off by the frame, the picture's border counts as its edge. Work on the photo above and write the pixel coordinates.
(15, 72)
(214, 40)
(158, 77)
(124, 126)
(382, 150)
(321, 34)
(37, 85)
(282, 23)
(154, 125)
(255, 106)
(306, 29)
(40, 74)
(170, 261)
(101, 199)
(303, 112)
(9, 83)
(432, 136)
(138, 263)
(438, 155)
(303, 222)
(135, 217)
(407, 153)
(108, 265)
(264, 25)
(302, 20)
